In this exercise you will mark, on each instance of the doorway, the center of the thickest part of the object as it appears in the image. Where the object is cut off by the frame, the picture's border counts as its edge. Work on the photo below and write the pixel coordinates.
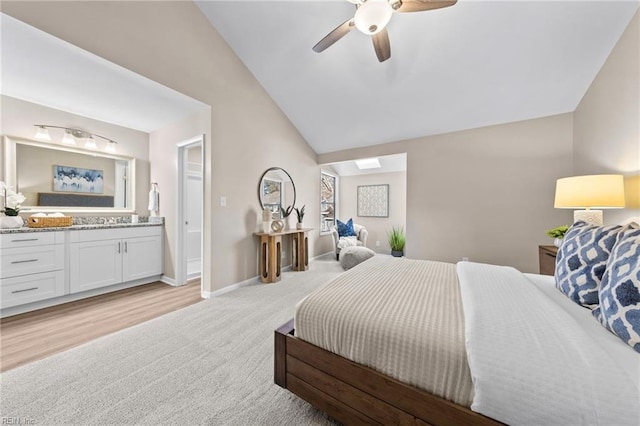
(190, 210)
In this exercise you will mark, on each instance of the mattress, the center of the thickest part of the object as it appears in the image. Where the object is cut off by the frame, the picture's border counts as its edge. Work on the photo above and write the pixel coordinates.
(400, 317)
(537, 358)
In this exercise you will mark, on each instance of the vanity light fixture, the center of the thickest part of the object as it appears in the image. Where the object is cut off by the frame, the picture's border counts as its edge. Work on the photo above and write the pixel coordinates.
(90, 143)
(71, 134)
(68, 139)
(111, 147)
(43, 134)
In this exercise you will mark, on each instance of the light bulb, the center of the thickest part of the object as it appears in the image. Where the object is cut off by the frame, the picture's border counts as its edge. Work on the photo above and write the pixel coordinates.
(110, 148)
(43, 134)
(90, 143)
(373, 16)
(68, 138)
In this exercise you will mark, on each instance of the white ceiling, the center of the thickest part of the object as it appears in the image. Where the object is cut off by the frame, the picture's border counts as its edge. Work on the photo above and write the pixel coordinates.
(474, 64)
(40, 68)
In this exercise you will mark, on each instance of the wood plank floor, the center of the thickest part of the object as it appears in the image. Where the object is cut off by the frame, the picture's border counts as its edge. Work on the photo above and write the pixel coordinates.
(35, 335)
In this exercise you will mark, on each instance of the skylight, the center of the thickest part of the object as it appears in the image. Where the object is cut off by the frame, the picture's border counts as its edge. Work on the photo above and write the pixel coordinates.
(368, 163)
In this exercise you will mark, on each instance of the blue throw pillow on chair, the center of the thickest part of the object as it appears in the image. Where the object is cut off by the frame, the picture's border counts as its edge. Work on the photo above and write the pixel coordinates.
(346, 229)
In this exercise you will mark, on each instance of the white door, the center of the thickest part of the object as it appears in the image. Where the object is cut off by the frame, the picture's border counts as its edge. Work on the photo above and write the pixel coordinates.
(95, 264)
(194, 221)
(189, 237)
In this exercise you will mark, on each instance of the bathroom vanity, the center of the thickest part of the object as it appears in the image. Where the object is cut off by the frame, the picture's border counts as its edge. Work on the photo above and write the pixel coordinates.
(41, 267)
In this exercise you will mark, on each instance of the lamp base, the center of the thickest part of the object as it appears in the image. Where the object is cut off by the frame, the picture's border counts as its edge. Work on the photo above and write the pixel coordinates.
(593, 217)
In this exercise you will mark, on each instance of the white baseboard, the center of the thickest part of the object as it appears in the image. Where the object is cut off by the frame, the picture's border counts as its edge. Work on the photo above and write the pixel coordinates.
(327, 254)
(253, 280)
(171, 281)
(227, 289)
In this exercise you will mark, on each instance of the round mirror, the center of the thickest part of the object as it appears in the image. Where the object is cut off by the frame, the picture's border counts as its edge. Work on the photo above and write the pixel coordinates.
(276, 189)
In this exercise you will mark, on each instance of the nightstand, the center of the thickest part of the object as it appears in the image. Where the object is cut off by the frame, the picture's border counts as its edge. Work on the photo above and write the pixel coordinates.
(547, 255)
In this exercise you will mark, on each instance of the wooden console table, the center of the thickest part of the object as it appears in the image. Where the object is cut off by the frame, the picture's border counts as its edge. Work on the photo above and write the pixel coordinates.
(271, 253)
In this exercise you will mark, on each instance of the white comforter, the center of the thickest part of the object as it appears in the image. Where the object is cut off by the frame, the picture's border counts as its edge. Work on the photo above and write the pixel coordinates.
(536, 361)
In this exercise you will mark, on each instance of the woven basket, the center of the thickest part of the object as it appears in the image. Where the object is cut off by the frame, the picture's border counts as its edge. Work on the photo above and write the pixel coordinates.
(49, 222)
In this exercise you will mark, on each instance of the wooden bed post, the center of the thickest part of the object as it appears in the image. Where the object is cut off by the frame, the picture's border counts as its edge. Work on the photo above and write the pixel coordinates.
(280, 352)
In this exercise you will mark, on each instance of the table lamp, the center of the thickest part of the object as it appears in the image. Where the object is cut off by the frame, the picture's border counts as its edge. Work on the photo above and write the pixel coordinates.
(590, 192)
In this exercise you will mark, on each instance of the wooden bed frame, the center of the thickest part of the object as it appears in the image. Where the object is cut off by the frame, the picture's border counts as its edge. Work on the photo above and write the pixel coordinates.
(354, 394)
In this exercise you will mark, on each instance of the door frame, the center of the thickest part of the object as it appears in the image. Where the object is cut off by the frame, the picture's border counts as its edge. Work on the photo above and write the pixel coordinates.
(181, 209)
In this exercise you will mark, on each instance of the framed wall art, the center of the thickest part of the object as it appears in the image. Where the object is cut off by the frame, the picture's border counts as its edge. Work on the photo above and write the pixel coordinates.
(373, 200)
(75, 179)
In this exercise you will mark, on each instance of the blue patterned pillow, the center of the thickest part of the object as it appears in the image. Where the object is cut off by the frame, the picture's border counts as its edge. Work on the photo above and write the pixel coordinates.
(582, 260)
(619, 309)
(346, 229)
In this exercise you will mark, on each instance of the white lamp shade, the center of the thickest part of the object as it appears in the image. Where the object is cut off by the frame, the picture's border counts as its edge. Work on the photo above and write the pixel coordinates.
(43, 134)
(592, 191)
(68, 138)
(90, 143)
(373, 16)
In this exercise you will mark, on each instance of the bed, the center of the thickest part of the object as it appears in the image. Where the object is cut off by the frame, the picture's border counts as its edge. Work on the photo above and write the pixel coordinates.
(478, 345)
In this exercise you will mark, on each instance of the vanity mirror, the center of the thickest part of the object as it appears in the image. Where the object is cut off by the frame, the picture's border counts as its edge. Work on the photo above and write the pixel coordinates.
(276, 189)
(64, 179)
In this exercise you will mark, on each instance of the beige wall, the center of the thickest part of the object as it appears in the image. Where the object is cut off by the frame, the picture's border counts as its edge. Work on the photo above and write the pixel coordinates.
(376, 226)
(486, 194)
(177, 46)
(163, 155)
(607, 122)
(18, 117)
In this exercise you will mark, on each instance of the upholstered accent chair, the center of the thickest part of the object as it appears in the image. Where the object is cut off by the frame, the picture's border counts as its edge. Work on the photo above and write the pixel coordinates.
(341, 242)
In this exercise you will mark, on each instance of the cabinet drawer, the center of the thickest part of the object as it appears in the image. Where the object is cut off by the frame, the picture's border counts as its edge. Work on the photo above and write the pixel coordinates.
(31, 260)
(31, 288)
(30, 239)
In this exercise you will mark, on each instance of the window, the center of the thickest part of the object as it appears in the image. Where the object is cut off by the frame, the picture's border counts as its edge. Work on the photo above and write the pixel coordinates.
(327, 202)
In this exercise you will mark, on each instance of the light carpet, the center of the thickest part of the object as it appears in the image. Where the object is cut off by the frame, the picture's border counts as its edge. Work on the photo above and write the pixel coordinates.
(210, 363)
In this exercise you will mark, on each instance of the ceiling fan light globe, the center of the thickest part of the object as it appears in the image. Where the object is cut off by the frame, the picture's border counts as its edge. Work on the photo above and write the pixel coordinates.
(373, 16)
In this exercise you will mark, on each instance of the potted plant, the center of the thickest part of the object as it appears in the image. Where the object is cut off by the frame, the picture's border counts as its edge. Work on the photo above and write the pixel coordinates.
(557, 234)
(397, 240)
(284, 214)
(300, 214)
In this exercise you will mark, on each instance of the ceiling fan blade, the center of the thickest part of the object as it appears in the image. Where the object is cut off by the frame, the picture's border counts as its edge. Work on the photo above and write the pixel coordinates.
(381, 45)
(335, 35)
(421, 5)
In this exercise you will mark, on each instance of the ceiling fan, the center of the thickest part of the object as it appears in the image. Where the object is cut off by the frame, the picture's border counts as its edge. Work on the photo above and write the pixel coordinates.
(372, 17)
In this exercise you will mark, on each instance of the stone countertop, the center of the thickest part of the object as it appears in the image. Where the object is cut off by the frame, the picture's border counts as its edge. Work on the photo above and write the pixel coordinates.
(26, 229)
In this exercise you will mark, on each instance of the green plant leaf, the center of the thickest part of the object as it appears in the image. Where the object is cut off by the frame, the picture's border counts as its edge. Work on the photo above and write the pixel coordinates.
(397, 238)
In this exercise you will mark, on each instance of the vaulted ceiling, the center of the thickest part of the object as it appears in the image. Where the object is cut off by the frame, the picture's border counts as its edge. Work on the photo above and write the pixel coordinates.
(473, 64)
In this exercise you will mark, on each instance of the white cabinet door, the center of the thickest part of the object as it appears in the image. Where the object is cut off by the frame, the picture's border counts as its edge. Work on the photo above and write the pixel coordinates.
(95, 264)
(142, 258)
